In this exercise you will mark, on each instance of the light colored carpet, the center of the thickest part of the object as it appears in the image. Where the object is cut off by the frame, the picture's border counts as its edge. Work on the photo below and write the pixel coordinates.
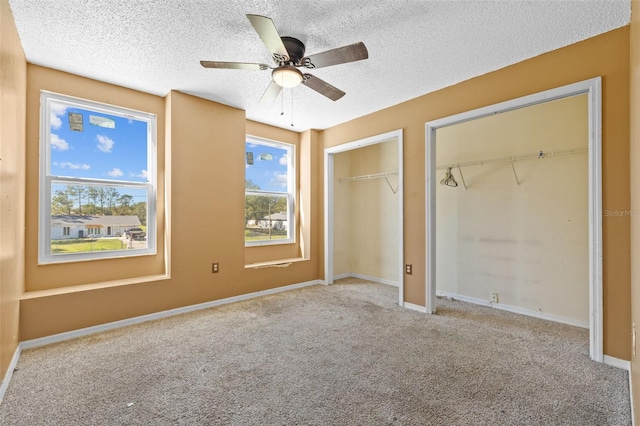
(344, 354)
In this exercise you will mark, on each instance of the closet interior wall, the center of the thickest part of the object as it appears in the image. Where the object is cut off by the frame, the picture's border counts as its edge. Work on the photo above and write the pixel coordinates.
(366, 213)
(519, 229)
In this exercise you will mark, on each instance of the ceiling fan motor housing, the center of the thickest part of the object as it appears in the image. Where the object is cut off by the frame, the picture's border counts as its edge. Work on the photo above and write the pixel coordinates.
(295, 48)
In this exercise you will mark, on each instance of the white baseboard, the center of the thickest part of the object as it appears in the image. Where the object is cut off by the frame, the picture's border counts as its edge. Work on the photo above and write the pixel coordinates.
(514, 309)
(157, 315)
(366, 277)
(616, 362)
(462, 298)
(376, 279)
(341, 276)
(7, 377)
(413, 307)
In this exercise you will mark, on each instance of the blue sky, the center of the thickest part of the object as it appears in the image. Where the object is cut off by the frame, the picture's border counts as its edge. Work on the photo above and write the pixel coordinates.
(269, 168)
(118, 153)
(114, 150)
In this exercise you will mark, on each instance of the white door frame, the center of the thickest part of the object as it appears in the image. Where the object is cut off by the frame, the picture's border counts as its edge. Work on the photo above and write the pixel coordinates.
(592, 88)
(328, 202)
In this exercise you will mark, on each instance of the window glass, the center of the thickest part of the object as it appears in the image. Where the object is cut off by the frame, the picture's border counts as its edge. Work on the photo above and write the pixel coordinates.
(97, 180)
(269, 192)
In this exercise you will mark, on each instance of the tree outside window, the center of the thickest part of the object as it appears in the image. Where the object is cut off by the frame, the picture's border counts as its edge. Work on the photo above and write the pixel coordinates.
(269, 192)
(97, 170)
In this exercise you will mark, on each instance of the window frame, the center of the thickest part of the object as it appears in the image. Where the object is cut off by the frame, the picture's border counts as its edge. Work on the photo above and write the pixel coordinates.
(291, 193)
(47, 180)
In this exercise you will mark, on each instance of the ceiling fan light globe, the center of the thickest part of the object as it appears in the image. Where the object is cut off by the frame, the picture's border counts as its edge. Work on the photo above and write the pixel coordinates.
(287, 76)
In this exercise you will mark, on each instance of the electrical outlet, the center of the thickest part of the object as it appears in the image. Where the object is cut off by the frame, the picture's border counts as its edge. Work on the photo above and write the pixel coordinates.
(494, 297)
(408, 269)
(215, 268)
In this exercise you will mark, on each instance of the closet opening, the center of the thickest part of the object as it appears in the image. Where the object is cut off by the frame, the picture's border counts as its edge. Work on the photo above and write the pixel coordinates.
(364, 211)
(513, 207)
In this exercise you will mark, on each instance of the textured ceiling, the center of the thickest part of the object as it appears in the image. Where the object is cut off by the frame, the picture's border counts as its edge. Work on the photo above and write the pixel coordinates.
(415, 47)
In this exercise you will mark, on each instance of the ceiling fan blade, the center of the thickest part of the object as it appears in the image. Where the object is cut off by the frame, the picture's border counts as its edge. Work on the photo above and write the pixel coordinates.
(269, 34)
(341, 55)
(272, 92)
(234, 65)
(322, 87)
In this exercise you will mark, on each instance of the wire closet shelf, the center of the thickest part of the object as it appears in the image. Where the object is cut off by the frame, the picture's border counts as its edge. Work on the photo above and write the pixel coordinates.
(510, 159)
(382, 175)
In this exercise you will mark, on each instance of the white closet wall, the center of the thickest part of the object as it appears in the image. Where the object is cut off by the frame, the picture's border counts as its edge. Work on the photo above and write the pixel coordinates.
(366, 213)
(528, 242)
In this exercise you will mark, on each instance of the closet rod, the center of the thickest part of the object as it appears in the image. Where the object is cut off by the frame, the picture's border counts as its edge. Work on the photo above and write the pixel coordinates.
(384, 175)
(367, 177)
(532, 156)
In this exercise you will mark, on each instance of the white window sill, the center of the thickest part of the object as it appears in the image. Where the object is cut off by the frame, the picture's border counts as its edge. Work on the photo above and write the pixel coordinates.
(280, 263)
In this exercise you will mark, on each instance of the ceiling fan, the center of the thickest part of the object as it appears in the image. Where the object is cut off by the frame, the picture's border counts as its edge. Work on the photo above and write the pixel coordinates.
(288, 55)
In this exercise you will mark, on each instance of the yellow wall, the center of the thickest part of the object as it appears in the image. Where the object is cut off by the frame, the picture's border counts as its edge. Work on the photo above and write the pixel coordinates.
(13, 83)
(310, 190)
(528, 242)
(606, 55)
(205, 215)
(258, 254)
(374, 213)
(365, 217)
(635, 197)
(44, 277)
(342, 220)
(204, 148)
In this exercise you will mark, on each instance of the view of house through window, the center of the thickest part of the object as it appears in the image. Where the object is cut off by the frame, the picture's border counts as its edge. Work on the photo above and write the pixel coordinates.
(97, 189)
(269, 192)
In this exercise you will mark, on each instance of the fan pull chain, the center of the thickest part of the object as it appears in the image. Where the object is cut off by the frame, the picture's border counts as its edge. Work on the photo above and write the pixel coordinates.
(282, 103)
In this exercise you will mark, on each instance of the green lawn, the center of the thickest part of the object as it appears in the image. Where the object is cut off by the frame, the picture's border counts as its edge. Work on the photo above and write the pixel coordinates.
(86, 245)
(263, 235)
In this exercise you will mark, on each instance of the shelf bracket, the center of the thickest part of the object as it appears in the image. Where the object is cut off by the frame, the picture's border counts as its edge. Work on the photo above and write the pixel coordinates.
(514, 172)
(462, 177)
(389, 183)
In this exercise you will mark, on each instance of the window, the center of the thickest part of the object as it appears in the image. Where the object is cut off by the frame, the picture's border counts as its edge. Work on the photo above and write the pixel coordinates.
(269, 192)
(97, 171)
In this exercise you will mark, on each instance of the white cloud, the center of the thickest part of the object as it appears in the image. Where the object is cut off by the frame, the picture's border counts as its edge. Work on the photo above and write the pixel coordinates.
(279, 179)
(105, 144)
(252, 145)
(142, 174)
(55, 111)
(72, 166)
(283, 160)
(115, 172)
(57, 143)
